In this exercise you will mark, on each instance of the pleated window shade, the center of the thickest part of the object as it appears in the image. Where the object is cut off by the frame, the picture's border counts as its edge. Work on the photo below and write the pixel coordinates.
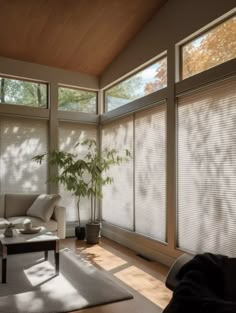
(117, 203)
(150, 172)
(69, 135)
(20, 140)
(207, 169)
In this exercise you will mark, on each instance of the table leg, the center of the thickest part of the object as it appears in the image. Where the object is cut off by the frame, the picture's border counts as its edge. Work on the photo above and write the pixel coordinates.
(57, 257)
(46, 255)
(4, 264)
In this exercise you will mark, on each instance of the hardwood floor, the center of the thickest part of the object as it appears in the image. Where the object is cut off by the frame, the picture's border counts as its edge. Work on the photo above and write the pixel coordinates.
(143, 278)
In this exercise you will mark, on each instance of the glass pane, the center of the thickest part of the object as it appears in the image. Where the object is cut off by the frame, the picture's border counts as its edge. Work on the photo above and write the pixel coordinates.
(210, 49)
(20, 92)
(77, 100)
(143, 83)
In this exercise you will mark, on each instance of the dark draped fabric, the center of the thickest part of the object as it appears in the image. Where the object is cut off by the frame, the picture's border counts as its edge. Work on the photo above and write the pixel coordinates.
(207, 284)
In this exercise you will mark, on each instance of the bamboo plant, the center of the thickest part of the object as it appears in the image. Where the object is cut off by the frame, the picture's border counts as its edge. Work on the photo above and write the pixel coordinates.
(84, 177)
(70, 174)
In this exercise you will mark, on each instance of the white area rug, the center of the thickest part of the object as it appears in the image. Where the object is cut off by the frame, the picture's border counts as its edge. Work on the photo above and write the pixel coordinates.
(32, 286)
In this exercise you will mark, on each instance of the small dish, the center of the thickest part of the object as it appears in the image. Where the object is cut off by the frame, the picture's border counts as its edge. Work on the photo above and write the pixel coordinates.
(33, 230)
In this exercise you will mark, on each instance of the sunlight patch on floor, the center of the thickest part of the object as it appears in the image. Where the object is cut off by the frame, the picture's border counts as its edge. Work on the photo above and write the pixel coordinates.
(101, 257)
(150, 287)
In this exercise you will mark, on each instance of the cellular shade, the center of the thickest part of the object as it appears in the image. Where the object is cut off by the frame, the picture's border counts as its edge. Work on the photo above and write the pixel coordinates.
(150, 172)
(207, 169)
(69, 135)
(117, 203)
(20, 140)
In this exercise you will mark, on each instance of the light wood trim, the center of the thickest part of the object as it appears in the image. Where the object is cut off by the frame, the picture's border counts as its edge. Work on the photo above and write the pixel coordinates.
(100, 100)
(141, 244)
(53, 133)
(171, 205)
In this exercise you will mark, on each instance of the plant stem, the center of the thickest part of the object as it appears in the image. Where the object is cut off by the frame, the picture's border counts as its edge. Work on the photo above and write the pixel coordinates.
(94, 209)
(78, 210)
(91, 209)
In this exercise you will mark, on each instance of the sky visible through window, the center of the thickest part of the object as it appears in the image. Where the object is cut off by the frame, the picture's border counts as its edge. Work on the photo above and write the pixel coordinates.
(145, 82)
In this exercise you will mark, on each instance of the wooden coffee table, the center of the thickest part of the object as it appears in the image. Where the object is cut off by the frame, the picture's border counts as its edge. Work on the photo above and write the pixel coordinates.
(20, 243)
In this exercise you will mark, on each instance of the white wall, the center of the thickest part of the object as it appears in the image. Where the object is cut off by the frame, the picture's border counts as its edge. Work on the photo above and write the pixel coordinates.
(46, 73)
(52, 76)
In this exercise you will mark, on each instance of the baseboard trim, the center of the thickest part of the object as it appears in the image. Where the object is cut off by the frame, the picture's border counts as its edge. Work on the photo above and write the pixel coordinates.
(148, 248)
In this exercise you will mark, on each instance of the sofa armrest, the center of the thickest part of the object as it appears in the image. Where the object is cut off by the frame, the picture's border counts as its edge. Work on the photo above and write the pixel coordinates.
(59, 215)
(172, 276)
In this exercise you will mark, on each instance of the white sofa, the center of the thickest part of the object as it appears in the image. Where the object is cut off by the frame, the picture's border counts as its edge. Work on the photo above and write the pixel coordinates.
(14, 207)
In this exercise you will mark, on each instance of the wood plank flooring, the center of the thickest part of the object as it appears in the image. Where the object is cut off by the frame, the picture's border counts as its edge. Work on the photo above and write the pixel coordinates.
(143, 278)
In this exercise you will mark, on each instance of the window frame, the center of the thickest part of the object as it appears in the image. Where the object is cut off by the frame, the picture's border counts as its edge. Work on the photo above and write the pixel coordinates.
(189, 92)
(29, 80)
(79, 89)
(133, 73)
(205, 29)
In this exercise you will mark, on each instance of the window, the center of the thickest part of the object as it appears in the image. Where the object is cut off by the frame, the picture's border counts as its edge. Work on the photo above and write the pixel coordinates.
(212, 48)
(136, 200)
(69, 135)
(207, 169)
(150, 172)
(21, 92)
(20, 140)
(145, 82)
(117, 202)
(77, 100)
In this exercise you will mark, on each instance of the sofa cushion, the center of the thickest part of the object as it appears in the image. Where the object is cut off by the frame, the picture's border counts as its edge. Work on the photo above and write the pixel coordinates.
(50, 226)
(2, 205)
(43, 206)
(18, 204)
(3, 222)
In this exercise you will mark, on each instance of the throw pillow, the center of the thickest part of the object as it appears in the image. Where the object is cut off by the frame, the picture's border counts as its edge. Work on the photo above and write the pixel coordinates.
(43, 206)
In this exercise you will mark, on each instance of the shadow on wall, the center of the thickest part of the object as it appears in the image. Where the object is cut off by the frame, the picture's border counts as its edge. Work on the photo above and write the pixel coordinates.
(207, 171)
(21, 139)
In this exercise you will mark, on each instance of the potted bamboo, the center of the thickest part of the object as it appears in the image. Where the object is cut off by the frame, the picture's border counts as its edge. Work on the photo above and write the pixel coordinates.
(71, 171)
(85, 178)
(98, 162)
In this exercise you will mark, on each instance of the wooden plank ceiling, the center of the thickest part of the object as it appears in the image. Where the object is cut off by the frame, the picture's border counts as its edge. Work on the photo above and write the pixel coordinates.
(77, 35)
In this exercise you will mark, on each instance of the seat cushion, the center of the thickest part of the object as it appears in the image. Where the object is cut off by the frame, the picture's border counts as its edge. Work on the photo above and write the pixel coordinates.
(50, 225)
(43, 206)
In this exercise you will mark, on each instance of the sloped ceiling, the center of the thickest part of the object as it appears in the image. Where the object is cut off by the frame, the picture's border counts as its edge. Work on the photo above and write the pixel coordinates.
(76, 35)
